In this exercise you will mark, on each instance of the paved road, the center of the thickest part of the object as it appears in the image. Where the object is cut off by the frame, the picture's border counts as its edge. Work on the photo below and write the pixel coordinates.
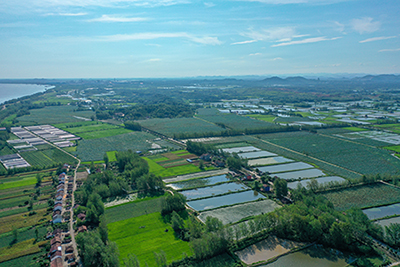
(71, 221)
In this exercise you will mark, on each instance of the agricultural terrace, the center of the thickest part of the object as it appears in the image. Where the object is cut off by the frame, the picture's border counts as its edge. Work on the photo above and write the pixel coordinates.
(171, 127)
(173, 164)
(360, 158)
(94, 149)
(233, 121)
(92, 129)
(363, 196)
(59, 114)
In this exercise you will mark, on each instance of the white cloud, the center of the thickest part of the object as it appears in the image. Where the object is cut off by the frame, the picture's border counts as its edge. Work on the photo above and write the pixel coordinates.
(73, 14)
(106, 18)
(390, 50)
(207, 40)
(338, 26)
(277, 58)
(271, 34)
(244, 42)
(365, 25)
(307, 41)
(283, 2)
(209, 4)
(377, 39)
(155, 59)
(255, 54)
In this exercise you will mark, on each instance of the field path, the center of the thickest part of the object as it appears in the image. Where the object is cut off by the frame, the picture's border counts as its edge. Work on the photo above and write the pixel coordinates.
(304, 155)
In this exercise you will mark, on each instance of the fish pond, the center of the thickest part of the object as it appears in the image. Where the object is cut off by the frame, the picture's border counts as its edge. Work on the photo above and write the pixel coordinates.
(241, 149)
(268, 161)
(267, 249)
(231, 199)
(314, 256)
(383, 211)
(311, 173)
(387, 222)
(213, 190)
(199, 182)
(322, 180)
(286, 167)
(238, 212)
(258, 154)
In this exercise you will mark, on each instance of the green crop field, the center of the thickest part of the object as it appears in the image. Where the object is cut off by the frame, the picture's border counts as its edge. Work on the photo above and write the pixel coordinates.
(105, 133)
(59, 114)
(393, 148)
(144, 235)
(237, 122)
(92, 130)
(26, 261)
(267, 118)
(363, 196)
(94, 149)
(173, 171)
(133, 209)
(18, 182)
(48, 157)
(170, 127)
(23, 220)
(355, 129)
(111, 156)
(349, 155)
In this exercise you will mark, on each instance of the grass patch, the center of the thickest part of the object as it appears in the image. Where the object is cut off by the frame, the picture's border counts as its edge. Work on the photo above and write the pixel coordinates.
(393, 148)
(173, 171)
(111, 156)
(48, 157)
(355, 129)
(102, 134)
(145, 235)
(267, 118)
(133, 209)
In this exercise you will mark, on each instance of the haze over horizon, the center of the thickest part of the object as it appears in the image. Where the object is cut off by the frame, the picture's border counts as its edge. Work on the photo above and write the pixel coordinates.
(184, 38)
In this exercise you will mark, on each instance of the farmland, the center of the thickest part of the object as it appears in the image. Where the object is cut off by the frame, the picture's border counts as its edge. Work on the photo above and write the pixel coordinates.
(363, 196)
(171, 127)
(150, 236)
(173, 171)
(349, 155)
(48, 157)
(59, 114)
(94, 149)
(93, 130)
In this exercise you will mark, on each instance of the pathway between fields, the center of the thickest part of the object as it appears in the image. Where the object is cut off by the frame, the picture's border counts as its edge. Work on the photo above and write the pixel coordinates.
(302, 154)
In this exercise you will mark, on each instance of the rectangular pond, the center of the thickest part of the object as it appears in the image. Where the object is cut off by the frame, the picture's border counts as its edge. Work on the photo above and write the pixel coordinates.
(314, 256)
(199, 182)
(258, 154)
(242, 149)
(383, 211)
(268, 161)
(266, 249)
(238, 212)
(387, 222)
(231, 199)
(286, 167)
(311, 173)
(213, 190)
(322, 180)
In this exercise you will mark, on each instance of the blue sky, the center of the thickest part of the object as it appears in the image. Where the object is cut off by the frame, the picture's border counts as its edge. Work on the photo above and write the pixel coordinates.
(184, 38)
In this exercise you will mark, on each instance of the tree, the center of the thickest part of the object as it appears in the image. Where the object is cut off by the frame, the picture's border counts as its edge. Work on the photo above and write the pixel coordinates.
(213, 224)
(172, 203)
(95, 208)
(280, 186)
(131, 261)
(38, 179)
(36, 233)
(103, 230)
(106, 160)
(392, 236)
(195, 228)
(15, 236)
(234, 163)
(201, 165)
(177, 222)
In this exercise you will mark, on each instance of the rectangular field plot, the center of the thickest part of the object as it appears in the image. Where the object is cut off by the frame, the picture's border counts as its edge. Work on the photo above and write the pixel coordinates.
(322, 180)
(231, 199)
(213, 190)
(377, 194)
(383, 211)
(195, 175)
(177, 126)
(241, 149)
(144, 235)
(258, 154)
(59, 114)
(380, 136)
(387, 222)
(48, 157)
(268, 161)
(286, 167)
(310, 173)
(238, 212)
(199, 182)
(349, 155)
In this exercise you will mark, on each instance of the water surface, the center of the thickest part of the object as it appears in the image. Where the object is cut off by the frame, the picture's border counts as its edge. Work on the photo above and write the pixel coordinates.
(12, 91)
(380, 212)
(213, 190)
